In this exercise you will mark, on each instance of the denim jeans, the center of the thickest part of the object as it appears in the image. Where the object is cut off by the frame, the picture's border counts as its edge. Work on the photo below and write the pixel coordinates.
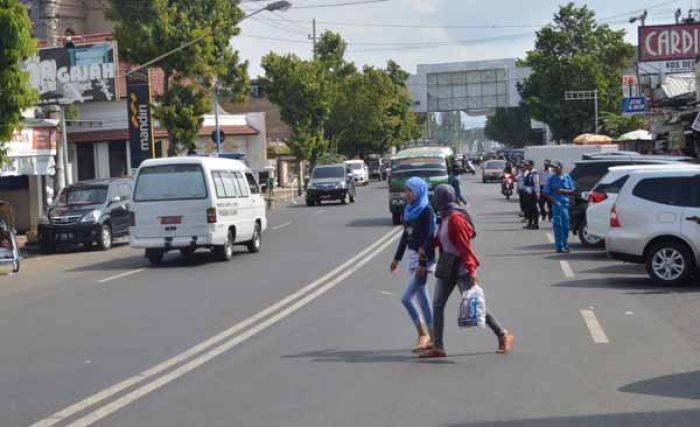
(417, 289)
(443, 289)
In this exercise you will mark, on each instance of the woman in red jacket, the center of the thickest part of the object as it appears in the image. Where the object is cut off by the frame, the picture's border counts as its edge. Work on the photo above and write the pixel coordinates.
(455, 235)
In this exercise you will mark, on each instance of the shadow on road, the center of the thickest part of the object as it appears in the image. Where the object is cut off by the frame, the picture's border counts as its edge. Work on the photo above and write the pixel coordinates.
(631, 283)
(376, 356)
(683, 386)
(576, 255)
(370, 222)
(677, 418)
(172, 260)
(618, 269)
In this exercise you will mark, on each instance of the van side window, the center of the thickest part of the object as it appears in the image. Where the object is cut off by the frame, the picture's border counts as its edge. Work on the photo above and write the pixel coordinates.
(219, 184)
(230, 185)
(252, 183)
(668, 191)
(242, 184)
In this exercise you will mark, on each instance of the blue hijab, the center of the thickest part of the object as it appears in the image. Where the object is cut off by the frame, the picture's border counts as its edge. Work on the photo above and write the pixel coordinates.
(418, 187)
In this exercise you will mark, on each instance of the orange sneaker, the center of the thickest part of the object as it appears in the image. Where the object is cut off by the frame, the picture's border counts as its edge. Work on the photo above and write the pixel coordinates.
(505, 343)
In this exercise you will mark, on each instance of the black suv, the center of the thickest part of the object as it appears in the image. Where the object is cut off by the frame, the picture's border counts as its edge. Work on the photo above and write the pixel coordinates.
(90, 212)
(330, 182)
(586, 175)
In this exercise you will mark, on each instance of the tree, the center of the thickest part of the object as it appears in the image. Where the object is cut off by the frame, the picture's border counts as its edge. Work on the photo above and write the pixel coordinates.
(510, 126)
(16, 45)
(615, 125)
(574, 52)
(189, 73)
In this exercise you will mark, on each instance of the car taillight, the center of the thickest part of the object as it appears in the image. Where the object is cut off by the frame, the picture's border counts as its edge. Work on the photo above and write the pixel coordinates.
(211, 216)
(596, 197)
(132, 219)
(614, 219)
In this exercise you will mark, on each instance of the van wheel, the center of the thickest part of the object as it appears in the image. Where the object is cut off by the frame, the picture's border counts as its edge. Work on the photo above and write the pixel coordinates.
(669, 263)
(225, 252)
(255, 243)
(154, 256)
(104, 240)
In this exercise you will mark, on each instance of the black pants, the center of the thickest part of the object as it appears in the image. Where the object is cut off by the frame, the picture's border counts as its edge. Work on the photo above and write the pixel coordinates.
(443, 289)
(545, 209)
(521, 200)
(532, 212)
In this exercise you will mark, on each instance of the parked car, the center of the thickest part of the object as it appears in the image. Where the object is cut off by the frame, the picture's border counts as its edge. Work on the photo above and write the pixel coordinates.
(493, 171)
(603, 195)
(90, 213)
(330, 182)
(656, 221)
(359, 171)
(586, 174)
(186, 203)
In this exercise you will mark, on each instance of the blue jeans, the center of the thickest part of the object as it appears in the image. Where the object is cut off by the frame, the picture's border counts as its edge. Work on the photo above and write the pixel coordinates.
(417, 289)
(560, 224)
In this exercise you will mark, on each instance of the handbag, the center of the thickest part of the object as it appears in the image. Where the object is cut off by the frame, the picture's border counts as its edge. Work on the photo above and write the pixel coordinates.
(472, 308)
(447, 266)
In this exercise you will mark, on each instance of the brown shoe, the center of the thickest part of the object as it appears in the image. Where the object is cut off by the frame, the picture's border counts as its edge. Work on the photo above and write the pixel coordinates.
(424, 341)
(505, 343)
(433, 353)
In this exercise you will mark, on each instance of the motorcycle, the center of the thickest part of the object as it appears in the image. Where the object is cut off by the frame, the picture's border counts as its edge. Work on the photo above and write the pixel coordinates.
(469, 167)
(507, 186)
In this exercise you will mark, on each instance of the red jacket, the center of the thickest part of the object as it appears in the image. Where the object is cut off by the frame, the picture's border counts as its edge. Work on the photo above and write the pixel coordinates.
(461, 234)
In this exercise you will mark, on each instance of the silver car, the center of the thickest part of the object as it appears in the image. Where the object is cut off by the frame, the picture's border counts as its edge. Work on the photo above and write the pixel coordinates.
(656, 221)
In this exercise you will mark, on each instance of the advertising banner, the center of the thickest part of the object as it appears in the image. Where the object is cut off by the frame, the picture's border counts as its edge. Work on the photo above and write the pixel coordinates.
(31, 151)
(138, 104)
(634, 105)
(67, 75)
(668, 42)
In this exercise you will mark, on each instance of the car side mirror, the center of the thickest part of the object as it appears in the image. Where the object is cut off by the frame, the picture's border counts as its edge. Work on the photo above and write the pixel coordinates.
(115, 199)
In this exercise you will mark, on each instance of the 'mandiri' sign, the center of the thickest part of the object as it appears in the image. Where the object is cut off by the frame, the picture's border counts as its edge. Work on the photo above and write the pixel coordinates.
(138, 107)
(669, 42)
(81, 73)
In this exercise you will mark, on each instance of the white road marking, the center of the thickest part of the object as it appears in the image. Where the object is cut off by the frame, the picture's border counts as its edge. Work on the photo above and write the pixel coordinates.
(566, 268)
(386, 293)
(597, 332)
(550, 237)
(120, 275)
(319, 212)
(354, 263)
(281, 226)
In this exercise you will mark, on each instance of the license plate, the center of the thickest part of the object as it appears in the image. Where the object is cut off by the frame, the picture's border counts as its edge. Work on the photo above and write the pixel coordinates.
(325, 196)
(64, 236)
(168, 220)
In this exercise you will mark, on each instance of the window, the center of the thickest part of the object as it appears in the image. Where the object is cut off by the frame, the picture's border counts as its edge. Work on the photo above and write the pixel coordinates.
(242, 184)
(125, 190)
(668, 191)
(230, 185)
(252, 183)
(329, 172)
(170, 182)
(219, 185)
(613, 187)
(79, 195)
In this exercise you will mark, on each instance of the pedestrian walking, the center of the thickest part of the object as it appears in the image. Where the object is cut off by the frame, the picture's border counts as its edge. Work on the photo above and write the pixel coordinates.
(417, 241)
(454, 237)
(544, 202)
(532, 196)
(559, 187)
(453, 180)
(520, 183)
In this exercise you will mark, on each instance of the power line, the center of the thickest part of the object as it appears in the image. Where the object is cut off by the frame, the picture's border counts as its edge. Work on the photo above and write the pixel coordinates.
(348, 3)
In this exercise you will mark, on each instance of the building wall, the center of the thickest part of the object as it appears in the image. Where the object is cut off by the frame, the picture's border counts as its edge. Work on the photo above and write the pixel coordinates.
(275, 128)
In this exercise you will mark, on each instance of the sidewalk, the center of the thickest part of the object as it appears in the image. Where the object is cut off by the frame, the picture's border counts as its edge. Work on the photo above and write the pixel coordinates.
(282, 195)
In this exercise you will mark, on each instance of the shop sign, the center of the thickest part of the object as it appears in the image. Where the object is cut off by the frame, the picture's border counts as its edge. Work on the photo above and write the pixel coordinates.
(634, 105)
(138, 105)
(669, 42)
(67, 75)
(32, 141)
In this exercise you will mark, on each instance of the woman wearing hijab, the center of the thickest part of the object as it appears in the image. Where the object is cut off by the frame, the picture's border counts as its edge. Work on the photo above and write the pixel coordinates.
(417, 241)
(455, 234)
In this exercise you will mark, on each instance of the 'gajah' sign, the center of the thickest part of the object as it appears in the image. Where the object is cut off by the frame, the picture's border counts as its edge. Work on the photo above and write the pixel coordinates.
(665, 42)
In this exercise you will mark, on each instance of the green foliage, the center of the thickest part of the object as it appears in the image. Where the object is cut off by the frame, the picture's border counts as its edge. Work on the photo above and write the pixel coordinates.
(615, 125)
(510, 126)
(142, 38)
(180, 111)
(574, 53)
(16, 45)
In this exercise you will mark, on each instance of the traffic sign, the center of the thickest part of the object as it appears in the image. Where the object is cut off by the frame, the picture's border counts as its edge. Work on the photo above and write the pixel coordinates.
(634, 105)
(222, 136)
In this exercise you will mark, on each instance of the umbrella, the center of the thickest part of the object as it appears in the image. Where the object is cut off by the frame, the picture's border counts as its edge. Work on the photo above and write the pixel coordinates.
(592, 139)
(637, 135)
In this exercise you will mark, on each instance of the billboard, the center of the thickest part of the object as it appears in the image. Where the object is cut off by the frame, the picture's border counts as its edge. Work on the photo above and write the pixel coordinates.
(138, 106)
(668, 42)
(67, 75)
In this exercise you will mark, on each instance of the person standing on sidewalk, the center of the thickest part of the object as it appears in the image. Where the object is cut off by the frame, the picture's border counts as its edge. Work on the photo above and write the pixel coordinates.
(544, 202)
(418, 240)
(532, 196)
(454, 236)
(520, 182)
(559, 187)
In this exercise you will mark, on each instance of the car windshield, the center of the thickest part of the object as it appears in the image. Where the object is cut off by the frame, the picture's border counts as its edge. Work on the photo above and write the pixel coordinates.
(495, 165)
(356, 166)
(421, 173)
(332, 172)
(418, 163)
(83, 195)
(170, 182)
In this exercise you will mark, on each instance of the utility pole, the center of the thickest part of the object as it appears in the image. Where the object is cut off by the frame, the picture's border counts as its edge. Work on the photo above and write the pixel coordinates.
(313, 36)
(216, 118)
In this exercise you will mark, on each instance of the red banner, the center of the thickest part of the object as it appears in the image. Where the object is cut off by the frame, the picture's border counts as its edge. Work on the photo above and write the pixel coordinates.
(666, 42)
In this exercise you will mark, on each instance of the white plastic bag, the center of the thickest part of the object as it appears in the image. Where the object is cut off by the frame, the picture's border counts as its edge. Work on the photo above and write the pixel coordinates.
(472, 308)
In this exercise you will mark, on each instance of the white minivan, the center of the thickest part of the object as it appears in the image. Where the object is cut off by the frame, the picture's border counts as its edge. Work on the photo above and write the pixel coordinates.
(186, 203)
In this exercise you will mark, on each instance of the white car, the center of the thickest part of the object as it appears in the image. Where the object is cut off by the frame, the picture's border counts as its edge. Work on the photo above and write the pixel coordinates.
(656, 221)
(603, 195)
(186, 203)
(359, 171)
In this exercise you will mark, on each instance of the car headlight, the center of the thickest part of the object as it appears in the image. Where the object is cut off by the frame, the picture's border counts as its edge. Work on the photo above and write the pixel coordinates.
(91, 217)
(340, 185)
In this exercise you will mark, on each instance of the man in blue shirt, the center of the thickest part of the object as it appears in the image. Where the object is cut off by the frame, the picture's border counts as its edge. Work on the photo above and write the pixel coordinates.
(559, 187)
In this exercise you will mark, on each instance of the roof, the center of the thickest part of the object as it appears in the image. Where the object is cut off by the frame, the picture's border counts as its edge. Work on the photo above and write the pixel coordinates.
(211, 162)
(329, 165)
(423, 151)
(355, 161)
(678, 84)
(627, 160)
(666, 172)
(99, 181)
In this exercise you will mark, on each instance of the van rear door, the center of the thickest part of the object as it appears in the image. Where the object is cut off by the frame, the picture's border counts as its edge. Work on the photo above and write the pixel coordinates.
(171, 201)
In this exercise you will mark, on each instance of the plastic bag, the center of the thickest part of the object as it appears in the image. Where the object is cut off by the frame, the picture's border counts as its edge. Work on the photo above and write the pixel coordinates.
(472, 308)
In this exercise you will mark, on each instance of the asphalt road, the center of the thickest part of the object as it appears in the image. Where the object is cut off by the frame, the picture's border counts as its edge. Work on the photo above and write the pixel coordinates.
(311, 332)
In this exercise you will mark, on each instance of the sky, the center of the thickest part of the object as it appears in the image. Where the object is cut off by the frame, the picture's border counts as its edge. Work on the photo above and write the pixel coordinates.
(415, 32)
